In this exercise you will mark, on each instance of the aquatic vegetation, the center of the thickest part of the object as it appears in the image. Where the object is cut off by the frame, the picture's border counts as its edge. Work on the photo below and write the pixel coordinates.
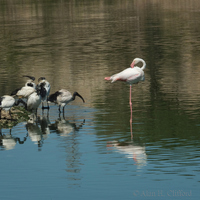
(19, 114)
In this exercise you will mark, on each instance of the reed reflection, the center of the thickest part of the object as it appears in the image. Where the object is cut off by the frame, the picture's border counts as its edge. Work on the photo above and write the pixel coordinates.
(131, 150)
(8, 141)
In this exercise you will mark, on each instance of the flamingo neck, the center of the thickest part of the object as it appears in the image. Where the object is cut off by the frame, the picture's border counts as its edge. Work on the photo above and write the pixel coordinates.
(144, 64)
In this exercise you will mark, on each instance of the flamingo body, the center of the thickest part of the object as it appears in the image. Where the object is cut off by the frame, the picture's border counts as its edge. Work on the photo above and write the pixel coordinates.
(130, 75)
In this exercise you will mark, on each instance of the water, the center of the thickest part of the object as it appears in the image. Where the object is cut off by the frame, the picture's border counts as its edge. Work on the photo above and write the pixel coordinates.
(90, 153)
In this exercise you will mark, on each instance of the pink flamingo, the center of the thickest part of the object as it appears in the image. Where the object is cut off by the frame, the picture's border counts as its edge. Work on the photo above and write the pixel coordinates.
(131, 75)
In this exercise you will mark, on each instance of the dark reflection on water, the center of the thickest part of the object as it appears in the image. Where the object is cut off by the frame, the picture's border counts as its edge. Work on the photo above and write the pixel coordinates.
(75, 44)
(8, 141)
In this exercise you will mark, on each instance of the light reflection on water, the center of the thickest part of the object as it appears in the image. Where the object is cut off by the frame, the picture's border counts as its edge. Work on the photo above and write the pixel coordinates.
(90, 149)
(71, 154)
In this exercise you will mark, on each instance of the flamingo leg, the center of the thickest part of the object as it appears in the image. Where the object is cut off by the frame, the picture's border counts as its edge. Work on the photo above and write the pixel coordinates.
(131, 111)
(130, 98)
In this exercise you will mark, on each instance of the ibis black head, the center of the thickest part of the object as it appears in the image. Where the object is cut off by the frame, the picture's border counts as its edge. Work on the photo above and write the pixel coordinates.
(30, 84)
(31, 77)
(1, 99)
(77, 94)
(41, 90)
(41, 78)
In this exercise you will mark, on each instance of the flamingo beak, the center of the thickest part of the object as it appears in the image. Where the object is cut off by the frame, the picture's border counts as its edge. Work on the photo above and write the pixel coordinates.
(132, 64)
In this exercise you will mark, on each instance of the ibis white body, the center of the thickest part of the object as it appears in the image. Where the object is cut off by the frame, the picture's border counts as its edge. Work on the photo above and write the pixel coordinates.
(6, 102)
(63, 97)
(46, 85)
(25, 92)
(33, 101)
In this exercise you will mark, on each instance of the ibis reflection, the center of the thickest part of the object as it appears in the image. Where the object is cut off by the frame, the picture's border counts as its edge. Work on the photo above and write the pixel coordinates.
(38, 129)
(8, 141)
(69, 142)
(63, 127)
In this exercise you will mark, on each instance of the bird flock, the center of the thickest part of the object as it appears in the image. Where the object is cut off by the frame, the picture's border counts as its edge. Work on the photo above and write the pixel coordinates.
(32, 95)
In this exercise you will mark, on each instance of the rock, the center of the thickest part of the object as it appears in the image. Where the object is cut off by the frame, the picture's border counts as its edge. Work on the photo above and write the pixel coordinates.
(18, 113)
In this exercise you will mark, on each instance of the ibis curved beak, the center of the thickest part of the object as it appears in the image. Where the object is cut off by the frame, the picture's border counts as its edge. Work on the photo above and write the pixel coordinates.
(77, 94)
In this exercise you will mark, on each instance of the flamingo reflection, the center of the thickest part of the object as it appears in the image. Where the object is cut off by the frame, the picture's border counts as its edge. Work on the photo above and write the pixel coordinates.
(131, 151)
(8, 141)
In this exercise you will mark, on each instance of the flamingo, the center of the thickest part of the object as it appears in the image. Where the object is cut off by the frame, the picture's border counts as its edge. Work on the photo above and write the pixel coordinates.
(63, 97)
(131, 75)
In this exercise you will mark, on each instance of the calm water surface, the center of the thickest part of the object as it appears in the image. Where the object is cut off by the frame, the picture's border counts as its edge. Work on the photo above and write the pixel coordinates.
(89, 152)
